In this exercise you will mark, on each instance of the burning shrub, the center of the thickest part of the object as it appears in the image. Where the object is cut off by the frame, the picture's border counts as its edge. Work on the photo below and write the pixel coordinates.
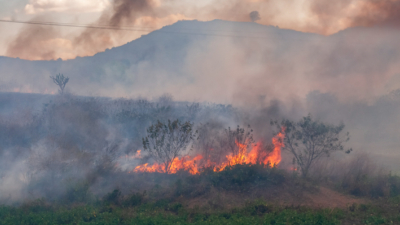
(237, 142)
(166, 142)
(209, 142)
(234, 148)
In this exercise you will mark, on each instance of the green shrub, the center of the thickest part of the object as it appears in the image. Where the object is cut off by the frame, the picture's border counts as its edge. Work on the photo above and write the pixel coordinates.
(166, 212)
(113, 197)
(135, 199)
(192, 186)
(394, 183)
(78, 193)
(240, 176)
(175, 207)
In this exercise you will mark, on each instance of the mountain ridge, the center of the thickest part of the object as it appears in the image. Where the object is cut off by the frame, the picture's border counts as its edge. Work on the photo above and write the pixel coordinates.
(185, 64)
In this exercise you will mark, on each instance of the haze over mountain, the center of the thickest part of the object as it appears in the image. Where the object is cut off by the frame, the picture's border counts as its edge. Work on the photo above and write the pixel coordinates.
(193, 60)
(343, 77)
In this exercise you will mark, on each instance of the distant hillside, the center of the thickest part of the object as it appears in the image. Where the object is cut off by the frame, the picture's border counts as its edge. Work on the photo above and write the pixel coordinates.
(193, 59)
(161, 61)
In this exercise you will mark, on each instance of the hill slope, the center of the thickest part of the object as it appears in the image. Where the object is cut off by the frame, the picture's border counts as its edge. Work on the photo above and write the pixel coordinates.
(192, 60)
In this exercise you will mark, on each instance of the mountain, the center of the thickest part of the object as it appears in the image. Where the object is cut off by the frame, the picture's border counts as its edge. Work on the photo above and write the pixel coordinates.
(149, 64)
(226, 62)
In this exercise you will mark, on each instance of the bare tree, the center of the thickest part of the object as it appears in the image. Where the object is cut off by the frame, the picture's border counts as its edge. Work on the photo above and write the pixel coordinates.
(309, 140)
(165, 142)
(60, 81)
(254, 16)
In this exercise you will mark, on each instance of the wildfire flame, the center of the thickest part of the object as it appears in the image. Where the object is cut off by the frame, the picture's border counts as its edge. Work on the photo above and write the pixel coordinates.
(194, 165)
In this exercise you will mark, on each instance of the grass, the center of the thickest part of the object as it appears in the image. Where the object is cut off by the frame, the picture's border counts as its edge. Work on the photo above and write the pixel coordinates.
(155, 213)
(166, 204)
(166, 212)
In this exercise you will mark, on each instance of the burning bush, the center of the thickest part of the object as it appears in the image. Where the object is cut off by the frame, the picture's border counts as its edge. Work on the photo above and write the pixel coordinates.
(166, 142)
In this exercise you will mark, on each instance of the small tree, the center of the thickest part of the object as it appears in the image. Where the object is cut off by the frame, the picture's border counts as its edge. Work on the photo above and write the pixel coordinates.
(165, 142)
(60, 81)
(309, 140)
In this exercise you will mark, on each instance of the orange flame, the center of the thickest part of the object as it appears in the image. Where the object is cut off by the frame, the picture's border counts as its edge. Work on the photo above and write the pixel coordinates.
(177, 164)
(194, 166)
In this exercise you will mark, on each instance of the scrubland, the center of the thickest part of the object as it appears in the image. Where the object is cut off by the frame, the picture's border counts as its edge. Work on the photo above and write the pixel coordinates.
(72, 160)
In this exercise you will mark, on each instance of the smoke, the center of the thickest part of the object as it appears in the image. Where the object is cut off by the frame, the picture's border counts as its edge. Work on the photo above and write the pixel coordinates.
(123, 12)
(271, 74)
(356, 64)
(84, 144)
(130, 10)
(70, 6)
(254, 16)
(323, 17)
(37, 43)
(379, 12)
(338, 15)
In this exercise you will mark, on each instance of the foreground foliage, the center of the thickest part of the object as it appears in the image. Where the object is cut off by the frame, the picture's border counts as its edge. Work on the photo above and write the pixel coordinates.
(165, 212)
(167, 205)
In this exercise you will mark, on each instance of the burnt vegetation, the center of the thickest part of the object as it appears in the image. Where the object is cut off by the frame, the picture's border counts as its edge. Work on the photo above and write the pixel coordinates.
(74, 158)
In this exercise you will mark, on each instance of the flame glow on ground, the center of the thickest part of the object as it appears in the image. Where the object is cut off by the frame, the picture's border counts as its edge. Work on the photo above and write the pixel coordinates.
(194, 165)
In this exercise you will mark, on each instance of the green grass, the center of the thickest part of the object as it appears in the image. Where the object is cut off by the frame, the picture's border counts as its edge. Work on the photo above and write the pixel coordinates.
(155, 214)
(79, 206)
(166, 212)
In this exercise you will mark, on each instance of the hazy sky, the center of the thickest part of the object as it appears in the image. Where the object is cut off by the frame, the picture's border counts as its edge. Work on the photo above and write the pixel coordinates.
(318, 16)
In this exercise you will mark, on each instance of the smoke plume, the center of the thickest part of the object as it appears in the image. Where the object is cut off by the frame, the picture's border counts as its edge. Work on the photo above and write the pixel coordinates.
(37, 43)
(124, 12)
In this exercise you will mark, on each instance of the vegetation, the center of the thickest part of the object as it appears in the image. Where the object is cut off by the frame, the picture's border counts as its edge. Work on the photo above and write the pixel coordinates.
(238, 140)
(167, 211)
(154, 213)
(60, 81)
(241, 176)
(71, 157)
(165, 142)
(309, 140)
